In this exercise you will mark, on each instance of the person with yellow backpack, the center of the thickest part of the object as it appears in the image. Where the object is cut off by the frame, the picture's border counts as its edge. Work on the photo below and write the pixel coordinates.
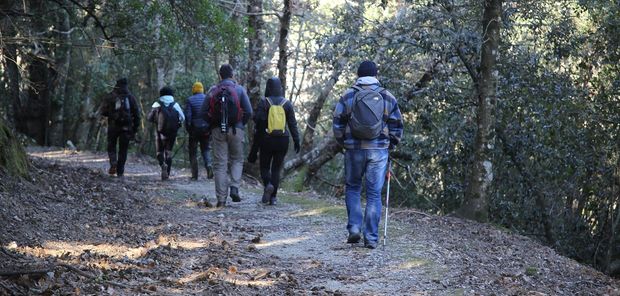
(275, 121)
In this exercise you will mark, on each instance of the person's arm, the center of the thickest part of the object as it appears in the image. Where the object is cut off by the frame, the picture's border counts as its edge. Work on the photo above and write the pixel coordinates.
(177, 107)
(260, 124)
(395, 122)
(339, 123)
(291, 121)
(152, 117)
(188, 114)
(135, 113)
(204, 110)
(245, 104)
(104, 108)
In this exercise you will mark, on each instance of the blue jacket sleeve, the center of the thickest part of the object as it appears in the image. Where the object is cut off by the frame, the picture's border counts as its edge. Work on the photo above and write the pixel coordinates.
(395, 124)
(339, 125)
(245, 104)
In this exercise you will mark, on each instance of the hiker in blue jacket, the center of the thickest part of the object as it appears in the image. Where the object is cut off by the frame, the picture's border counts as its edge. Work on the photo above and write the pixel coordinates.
(198, 130)
(366, 149)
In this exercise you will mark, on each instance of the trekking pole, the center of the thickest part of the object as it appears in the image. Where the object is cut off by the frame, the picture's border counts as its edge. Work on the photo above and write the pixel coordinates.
(387, 202)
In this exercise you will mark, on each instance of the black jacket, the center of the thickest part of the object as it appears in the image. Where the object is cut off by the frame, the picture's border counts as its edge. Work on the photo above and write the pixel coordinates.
(274, 92)
(107, 108)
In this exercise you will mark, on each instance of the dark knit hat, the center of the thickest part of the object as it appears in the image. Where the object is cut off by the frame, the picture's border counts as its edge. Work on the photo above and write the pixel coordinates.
(367, 68)
(166, 91)
(121, 82)
(226, 71)
(273, 88)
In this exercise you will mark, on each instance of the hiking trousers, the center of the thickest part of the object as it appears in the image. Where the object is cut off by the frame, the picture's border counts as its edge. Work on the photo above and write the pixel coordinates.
(163, 146)
(227, 160)
(370, 166)
(120, 137)
(272, 152)
(202, 140)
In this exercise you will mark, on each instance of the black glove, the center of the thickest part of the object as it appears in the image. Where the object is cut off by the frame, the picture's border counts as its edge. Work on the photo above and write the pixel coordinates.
(252, 157)
(297, 147)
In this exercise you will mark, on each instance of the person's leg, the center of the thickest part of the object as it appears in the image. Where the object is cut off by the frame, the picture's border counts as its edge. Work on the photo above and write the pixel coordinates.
(266, 156)
(276, 165)
(220, 164)
(168, 153)
(375, 177)
(205, 149)
(236, 157)
(123, 146)
(355, 165)
(193, 162)
(159, 148)
(112, 140)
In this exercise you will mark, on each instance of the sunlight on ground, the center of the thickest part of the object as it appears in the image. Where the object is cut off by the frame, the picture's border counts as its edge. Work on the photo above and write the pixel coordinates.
(58, 248)
(127, 174)
(286, 241)
(326, 210)
(413, 263)
(73, 156)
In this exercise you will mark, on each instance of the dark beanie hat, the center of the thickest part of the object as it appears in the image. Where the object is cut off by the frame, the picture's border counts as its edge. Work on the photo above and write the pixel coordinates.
(273, 88)
(367, 68)
(121, 82)
(166, 91)
(226, 71)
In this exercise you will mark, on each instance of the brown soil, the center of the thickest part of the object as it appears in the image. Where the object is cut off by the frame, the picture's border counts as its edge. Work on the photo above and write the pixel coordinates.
(69, 229)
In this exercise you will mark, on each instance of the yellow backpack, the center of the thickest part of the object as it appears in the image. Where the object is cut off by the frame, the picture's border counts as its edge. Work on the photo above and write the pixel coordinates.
(276, 118)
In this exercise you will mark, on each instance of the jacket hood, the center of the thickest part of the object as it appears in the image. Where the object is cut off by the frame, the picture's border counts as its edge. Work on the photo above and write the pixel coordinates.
(367, 80)
(273, 88)
(121, 89)
(167, 100)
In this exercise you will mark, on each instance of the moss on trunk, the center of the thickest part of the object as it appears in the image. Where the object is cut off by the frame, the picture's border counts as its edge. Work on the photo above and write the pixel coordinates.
(12, 155)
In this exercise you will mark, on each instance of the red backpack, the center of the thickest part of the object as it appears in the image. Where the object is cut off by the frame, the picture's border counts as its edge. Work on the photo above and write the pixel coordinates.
(224, 107)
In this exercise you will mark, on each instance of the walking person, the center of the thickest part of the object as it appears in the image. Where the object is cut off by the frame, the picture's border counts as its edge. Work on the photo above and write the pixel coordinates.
(123, 113)
(198, 131)
(367, 122)
(227, 109)
(167, 116)
(271, 137)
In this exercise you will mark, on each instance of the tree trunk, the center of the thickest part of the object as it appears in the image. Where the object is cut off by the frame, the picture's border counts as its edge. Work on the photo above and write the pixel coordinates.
(255, 65)
(313, 116)
(319, 154)
(285, 24)
(12, 156)
(9, 60)
(255, 50)
(62, 63)
(476, 201)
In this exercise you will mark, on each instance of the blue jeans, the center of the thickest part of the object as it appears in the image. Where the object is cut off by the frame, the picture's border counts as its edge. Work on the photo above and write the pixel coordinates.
(371, 164)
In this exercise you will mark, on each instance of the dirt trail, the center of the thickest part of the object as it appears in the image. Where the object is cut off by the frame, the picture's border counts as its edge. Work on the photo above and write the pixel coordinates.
(166, 243)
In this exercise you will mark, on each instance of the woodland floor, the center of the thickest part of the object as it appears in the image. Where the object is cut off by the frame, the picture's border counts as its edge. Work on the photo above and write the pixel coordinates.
(73, 230)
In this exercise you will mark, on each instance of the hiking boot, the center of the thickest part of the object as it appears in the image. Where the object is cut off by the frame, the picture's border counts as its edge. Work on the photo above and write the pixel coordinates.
(209, 172)
(370, 245)
(164, 172)
(234, 194)
(220, 204)
(267, 192)
(112, 170)
(354, 238)
(273, 201)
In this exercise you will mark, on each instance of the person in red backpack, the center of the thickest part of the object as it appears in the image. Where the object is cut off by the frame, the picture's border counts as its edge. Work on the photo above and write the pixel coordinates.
(275, 122)
(168, 118)
(123, 113)
(227, 109)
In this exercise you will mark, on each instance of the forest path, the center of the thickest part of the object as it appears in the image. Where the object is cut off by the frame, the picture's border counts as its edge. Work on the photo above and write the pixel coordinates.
(298, 246)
